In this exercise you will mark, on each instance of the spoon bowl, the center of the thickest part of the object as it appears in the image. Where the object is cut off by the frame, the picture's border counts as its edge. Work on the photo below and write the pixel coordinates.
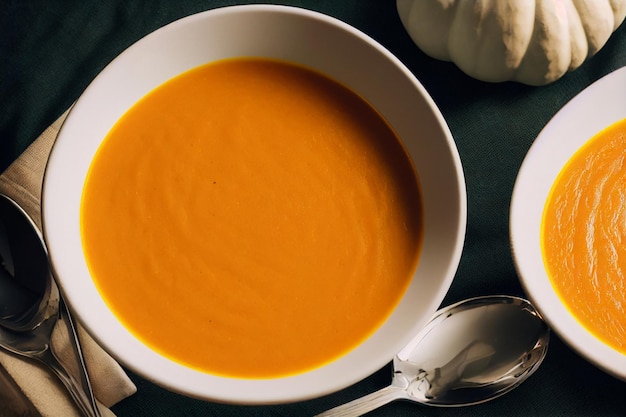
(33, 314)
(469, 353)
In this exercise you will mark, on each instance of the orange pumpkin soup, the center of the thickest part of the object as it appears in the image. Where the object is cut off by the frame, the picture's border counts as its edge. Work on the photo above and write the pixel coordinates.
(252, 218)
(584, 235)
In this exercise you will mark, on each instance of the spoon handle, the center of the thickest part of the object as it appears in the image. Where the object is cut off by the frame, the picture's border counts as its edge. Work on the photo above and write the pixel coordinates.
(79, 389)
(72, 386)
(367, 403)
(84, 382)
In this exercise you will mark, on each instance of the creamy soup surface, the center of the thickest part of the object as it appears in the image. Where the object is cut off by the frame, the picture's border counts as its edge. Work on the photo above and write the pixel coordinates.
(584, 235)
(252, 218)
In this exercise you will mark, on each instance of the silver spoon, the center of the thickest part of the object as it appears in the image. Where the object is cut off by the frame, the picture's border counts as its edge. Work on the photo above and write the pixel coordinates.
(469, 353)
(31, 306)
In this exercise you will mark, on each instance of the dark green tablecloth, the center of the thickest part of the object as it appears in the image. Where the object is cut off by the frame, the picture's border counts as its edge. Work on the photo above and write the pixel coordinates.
(51, 50)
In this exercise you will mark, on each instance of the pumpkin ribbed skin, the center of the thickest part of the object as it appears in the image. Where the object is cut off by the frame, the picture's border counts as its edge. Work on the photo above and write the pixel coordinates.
(533, 42)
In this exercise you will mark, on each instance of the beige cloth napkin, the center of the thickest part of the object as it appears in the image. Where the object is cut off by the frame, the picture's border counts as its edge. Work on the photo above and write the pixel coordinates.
(22, 182)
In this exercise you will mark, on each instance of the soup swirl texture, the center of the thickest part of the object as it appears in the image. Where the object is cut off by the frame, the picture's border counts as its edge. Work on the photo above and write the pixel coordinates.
(584, 235)
(252, 218)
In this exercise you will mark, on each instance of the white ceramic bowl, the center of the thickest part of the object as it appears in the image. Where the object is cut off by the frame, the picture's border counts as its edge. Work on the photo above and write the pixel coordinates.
(598, 106)
(296, 35)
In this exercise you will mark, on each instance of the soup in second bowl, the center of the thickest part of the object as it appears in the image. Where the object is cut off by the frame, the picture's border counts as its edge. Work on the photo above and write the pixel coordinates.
(583, 232)
(252, 218)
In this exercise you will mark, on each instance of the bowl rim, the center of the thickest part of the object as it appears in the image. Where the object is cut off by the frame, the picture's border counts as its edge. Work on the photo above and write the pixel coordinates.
(188, 382)
(594, 108)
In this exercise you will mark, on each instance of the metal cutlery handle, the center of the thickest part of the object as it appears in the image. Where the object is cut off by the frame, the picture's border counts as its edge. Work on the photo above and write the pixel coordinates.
(79, 388)
(360, 406)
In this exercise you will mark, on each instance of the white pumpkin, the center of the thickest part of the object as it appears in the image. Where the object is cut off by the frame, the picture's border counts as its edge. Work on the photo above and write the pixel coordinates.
(533, 42)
